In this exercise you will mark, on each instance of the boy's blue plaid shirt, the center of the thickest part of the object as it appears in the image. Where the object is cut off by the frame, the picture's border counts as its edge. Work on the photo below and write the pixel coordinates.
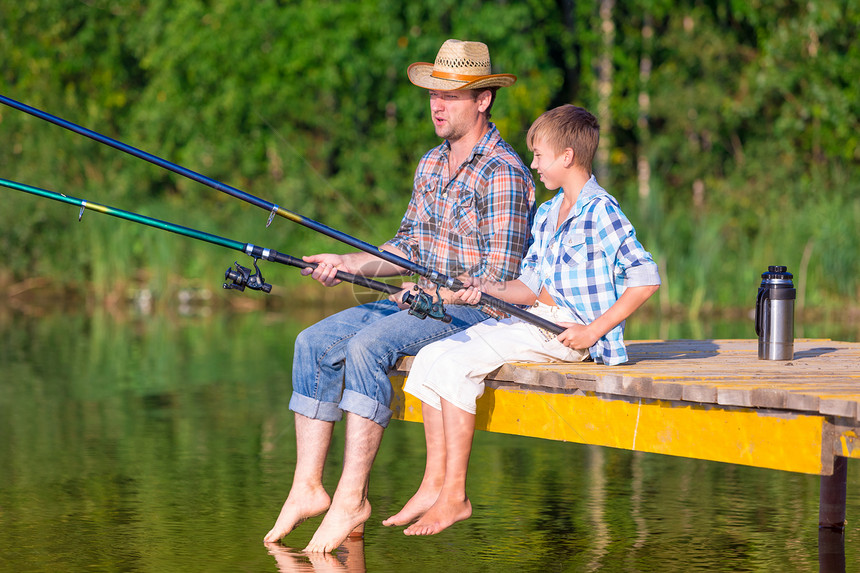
(588, 262)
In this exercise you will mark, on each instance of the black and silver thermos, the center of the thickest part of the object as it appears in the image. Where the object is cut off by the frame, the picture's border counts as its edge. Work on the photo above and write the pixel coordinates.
(774, 314)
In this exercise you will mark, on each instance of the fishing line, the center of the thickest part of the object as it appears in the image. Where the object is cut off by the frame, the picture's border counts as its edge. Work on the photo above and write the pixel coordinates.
(440, 279)
(367, 224)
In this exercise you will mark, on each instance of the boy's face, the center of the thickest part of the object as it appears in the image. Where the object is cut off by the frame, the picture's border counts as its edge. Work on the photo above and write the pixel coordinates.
(548, 164)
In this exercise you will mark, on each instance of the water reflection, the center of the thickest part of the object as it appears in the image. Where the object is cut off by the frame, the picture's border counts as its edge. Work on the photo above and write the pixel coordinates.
(596, 506)
(831, 550)
(164, 444)
(348, 558)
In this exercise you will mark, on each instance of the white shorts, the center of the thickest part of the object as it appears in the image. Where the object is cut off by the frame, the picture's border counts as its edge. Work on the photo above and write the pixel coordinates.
(455, 368)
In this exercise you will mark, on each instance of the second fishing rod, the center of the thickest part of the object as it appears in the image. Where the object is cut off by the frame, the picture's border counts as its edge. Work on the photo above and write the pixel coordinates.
(439, 279)
(420, 303)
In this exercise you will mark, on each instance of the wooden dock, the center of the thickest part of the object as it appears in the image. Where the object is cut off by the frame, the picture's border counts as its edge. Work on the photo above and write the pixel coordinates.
(705, 399)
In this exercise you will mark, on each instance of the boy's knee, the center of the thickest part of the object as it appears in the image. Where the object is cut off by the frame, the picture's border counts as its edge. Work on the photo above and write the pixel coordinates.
(432, 353)
(453, 366)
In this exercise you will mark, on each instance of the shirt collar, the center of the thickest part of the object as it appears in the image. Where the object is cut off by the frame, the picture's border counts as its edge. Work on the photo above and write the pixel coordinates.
(589, 191)
(483, 147)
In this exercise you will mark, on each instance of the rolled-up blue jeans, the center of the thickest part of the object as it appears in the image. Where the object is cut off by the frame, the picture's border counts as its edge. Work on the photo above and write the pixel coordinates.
(341, 363)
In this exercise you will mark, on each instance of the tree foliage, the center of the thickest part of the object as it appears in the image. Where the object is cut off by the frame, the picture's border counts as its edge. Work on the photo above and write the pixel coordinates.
(745, 114)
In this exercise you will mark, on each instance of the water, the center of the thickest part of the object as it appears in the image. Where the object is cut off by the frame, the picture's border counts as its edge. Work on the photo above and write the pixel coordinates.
(163, 443)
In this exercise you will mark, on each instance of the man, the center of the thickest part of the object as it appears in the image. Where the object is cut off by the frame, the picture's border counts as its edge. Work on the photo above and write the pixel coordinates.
(469, 216)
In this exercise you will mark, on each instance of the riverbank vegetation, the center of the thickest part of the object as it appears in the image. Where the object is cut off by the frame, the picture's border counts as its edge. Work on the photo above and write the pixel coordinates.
(730, 131)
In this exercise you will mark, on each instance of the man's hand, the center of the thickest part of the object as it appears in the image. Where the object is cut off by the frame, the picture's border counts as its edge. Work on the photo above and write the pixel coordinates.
(327, 267)
(398, 297)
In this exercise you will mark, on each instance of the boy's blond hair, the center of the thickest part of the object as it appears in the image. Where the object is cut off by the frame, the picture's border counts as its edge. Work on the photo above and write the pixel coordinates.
(567, 126)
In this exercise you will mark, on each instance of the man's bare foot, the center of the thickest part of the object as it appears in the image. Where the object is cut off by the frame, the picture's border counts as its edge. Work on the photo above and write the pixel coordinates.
(442, 515)
(338, 525)
(417, 506)
(300, 505)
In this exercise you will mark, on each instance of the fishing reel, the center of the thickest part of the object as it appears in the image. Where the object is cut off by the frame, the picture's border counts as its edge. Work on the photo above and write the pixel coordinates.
(242, 277)
(422, 305)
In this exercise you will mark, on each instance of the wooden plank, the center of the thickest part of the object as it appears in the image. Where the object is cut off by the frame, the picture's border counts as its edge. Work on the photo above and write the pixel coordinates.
(823, 377)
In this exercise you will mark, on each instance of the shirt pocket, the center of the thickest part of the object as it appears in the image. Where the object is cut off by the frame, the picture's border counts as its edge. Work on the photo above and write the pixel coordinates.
(464, 212)
(577, 251)
(424, 198)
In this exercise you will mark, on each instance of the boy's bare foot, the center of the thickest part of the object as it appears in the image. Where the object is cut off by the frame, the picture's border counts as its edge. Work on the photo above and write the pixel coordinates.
(441, 516)
(338, 525)
(417, 506)
(300, 505)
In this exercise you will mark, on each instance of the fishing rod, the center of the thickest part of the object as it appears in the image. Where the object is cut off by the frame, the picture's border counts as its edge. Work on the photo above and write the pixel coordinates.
(420, 303)
(437, 278)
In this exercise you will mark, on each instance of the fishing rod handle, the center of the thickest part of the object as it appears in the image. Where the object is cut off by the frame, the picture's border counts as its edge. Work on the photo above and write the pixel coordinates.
(285, 259)
(420, 303)
(521, 313)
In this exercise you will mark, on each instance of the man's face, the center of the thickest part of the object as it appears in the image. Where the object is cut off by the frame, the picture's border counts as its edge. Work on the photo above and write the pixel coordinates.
(454, 113)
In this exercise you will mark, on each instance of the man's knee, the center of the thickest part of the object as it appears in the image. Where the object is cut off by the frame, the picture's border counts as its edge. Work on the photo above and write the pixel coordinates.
(302, 340)
(368, 351)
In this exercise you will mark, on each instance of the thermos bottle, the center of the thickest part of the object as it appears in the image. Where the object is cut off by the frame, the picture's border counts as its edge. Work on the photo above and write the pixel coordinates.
(774, 314)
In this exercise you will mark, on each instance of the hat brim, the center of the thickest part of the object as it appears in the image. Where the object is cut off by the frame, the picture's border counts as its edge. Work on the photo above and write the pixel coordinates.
(420, 74)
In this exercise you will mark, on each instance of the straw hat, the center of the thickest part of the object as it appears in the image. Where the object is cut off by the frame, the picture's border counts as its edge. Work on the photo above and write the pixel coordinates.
(459, 65)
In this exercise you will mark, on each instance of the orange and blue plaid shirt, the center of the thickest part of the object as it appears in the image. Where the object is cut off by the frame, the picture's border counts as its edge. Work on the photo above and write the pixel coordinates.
(476, 223)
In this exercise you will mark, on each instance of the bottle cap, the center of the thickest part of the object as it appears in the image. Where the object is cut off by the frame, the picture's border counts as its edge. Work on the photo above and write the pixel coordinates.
(777, 272)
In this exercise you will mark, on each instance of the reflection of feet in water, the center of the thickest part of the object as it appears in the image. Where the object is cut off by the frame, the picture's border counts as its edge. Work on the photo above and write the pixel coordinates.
(340, 523)
(444, 513)
(300, 505)
(349, 558)
(417, 506)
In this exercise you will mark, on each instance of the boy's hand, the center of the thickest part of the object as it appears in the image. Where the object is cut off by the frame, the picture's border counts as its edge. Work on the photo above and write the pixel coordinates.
(577, 335)
(471, 294)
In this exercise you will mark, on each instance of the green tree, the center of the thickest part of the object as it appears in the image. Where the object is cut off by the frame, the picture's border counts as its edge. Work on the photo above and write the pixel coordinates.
(731, 129)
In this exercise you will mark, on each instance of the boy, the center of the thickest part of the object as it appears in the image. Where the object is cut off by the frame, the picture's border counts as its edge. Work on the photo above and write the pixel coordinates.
(585, 271)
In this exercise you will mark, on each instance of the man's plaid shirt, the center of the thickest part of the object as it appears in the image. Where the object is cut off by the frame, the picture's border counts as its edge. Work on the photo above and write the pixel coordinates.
(476, 223)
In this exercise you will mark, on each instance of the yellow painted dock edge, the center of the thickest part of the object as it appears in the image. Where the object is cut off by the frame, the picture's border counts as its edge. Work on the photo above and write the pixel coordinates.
(781, 441)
